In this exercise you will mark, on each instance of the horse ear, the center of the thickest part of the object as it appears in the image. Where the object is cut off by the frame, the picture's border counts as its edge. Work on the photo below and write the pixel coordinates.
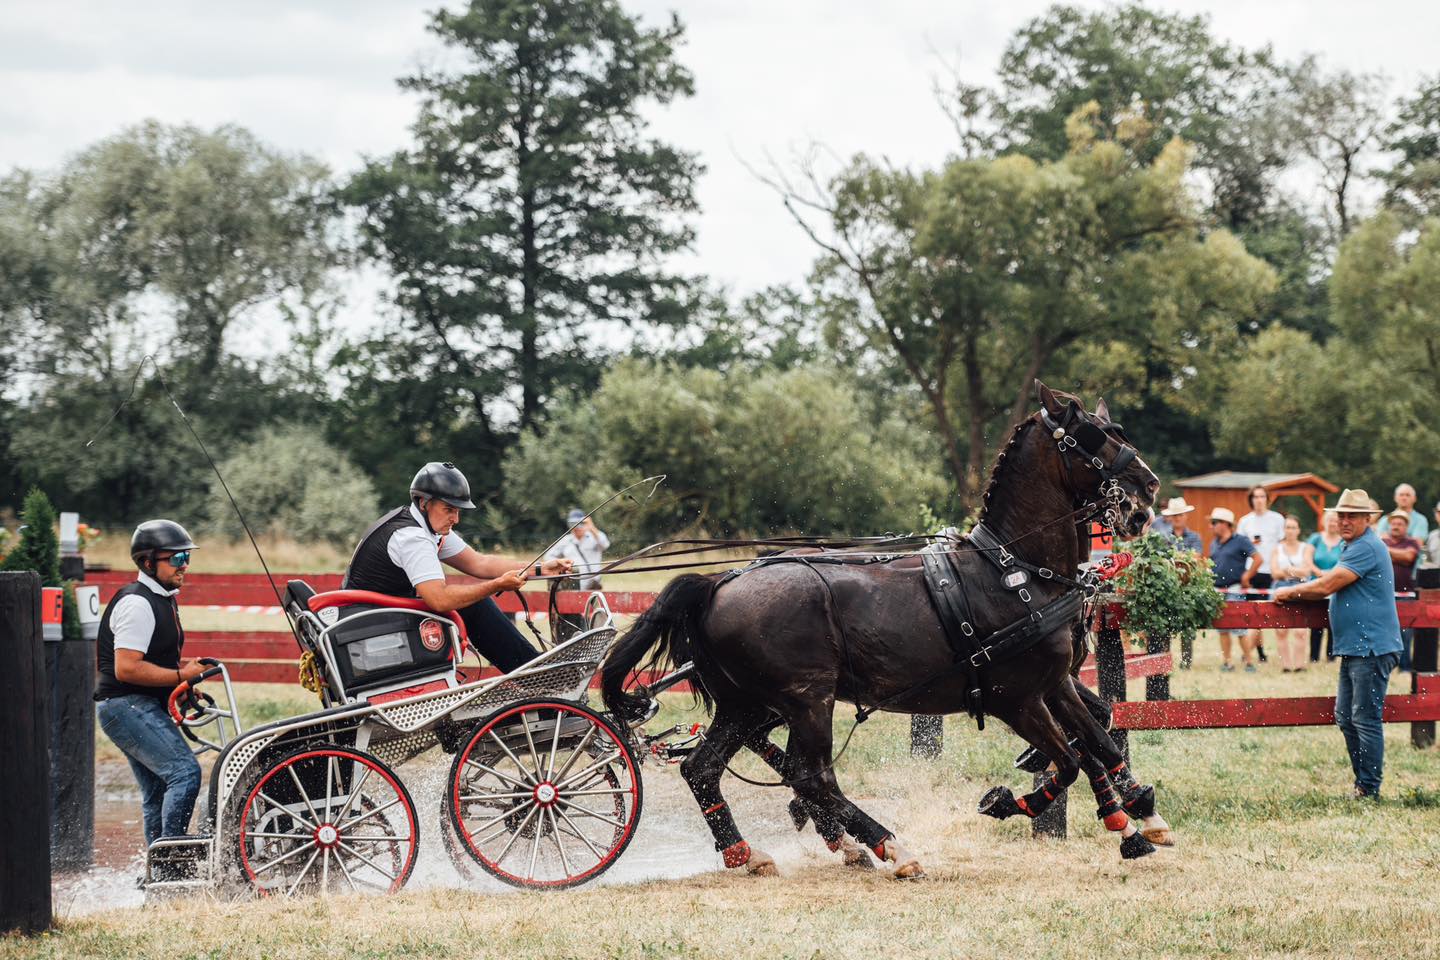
(1102, 411)
(1048, 400)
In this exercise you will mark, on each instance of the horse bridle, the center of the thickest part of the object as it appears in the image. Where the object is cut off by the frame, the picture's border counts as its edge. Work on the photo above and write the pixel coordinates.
(1077, 437)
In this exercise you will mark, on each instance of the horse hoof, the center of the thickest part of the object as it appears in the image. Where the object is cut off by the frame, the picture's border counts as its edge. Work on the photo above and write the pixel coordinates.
(906, 867)
(1141, 803)
(799, 813)
(1160, 836)
(999, 803)
(761, 865)
(1135, 846)
(856, 856)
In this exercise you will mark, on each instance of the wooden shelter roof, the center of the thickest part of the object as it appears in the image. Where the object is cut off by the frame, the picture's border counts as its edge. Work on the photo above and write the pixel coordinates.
(1233, 480)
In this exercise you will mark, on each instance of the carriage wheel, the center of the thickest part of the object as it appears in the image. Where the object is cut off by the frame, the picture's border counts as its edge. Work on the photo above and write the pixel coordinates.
(327, 819)
(544, 794)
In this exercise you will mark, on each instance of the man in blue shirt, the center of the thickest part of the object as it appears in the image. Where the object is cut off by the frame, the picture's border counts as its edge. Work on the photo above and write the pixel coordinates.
(1235, 560)
(1361, 588)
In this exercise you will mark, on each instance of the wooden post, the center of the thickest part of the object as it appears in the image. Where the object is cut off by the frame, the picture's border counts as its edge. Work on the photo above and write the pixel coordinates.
(927, 736)
(1157, 687)
(1423, 657)
(1110, 671)
(70, 669)
(24, 764)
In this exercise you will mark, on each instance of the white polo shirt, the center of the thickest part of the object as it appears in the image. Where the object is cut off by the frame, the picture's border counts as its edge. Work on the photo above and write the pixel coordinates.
(418, 552)
(133, 620)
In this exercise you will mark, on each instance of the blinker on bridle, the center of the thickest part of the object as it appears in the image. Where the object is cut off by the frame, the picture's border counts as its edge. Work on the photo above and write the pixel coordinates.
(1074, 436)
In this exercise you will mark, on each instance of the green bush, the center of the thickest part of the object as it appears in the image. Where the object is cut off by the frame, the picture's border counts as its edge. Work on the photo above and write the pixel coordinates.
(778, 451)
(39, 546)
(288, 481)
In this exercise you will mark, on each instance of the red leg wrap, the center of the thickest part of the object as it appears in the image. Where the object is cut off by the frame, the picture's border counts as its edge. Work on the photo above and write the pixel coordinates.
(737, 854)
(834, 845)
(1116, 820)
(718, 806)
(879, 848)
(1024, 807)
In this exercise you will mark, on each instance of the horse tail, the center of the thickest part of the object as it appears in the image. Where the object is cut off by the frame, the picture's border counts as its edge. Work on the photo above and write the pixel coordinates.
(666, 633)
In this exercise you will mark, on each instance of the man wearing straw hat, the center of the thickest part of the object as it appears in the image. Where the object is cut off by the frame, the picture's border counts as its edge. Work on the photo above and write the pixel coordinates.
(1361, 588)
(1235, 560)
(1176, 513)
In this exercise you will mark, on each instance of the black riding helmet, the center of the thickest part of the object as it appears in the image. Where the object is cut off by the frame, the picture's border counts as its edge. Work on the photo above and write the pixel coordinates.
(443, 482)
(156, 535)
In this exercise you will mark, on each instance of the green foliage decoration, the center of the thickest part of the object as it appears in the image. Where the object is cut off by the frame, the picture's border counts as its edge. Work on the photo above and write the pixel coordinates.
(1167, 591)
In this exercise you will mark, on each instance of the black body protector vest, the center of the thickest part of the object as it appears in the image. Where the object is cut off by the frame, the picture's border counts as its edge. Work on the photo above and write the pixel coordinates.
(371, 567)
(165, 644)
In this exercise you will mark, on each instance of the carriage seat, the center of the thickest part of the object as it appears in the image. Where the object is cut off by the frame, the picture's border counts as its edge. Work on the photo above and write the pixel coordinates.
(377, 643)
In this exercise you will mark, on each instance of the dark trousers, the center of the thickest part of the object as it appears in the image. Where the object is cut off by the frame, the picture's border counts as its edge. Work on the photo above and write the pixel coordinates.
(1315, 635)
(495, 637)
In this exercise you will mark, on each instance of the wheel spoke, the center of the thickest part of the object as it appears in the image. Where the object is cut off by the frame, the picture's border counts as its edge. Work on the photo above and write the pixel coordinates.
(508, 779)
(367, 815)
(313, 825)
(354, 792)
(559, 847)
(576, 753)
(535, 847)
(290, 769)
(595, 793)
(503, 816)
(577, 834)
(554, 747)
(516, 835)
(283, 857)
(371, 863)
(256, 834)
(481, 797)
(513, 759)
(303, 871)
(534, 754)
(325, 872)
(602, 762)
(329, 796)
(591, 813)
(345, 872)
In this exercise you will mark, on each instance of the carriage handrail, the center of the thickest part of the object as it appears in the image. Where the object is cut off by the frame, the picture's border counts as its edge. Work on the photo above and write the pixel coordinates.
(340, 598)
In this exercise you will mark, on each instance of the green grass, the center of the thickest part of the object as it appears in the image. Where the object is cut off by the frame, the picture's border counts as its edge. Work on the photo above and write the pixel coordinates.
(1273, 861)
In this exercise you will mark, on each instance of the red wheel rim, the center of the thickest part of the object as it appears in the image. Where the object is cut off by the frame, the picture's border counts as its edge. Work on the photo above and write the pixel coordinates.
(572, 795)
(334, 835)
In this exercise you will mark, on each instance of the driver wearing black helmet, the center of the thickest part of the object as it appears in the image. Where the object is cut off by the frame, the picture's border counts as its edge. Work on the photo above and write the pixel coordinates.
(138, 656)
(402, 552)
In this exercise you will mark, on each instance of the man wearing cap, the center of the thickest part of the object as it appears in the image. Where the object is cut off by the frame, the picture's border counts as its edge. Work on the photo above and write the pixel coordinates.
(401, 553)
(138, 659)
(1235, 560)
(1176, 513)
(1361, 588)
(584, 545)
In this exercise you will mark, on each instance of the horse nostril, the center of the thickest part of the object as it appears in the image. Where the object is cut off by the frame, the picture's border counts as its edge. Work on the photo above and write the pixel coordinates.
(1152, 487)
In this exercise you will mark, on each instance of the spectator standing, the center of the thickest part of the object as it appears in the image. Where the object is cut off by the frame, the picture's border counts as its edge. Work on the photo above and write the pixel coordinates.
(1328, 544)
(1264, 528)
(1292, 562)
(1431, 559)
(1361, 588)
(1177, 517)
(1405, 500)
(1404, 550)
(1235, 560)
(585, 544)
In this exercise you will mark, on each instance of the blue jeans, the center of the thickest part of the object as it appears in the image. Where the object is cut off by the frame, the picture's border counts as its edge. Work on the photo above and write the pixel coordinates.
(1359, 702)
(166, 770)
(1407, 637)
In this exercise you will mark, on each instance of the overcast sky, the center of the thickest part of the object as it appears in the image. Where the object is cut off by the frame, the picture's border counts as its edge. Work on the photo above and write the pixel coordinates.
(772, 76)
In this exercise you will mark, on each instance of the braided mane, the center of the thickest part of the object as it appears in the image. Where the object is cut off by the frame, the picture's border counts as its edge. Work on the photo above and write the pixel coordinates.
(994, 480)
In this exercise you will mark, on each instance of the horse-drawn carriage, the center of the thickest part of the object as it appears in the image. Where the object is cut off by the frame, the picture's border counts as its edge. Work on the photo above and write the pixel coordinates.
(542, 791)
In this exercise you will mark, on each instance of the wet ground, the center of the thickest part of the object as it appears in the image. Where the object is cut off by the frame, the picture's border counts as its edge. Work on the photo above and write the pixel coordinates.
(671, 840)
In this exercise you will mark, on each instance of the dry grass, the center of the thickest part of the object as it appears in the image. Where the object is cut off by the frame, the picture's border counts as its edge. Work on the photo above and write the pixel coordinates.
(1274, 862)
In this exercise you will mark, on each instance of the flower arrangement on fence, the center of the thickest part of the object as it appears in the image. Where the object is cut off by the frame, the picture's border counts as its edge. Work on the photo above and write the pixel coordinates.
(1167, 591)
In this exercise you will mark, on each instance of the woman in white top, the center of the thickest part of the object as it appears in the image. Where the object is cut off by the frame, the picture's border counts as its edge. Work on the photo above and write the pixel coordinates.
(1292, 562)
(1264, 528)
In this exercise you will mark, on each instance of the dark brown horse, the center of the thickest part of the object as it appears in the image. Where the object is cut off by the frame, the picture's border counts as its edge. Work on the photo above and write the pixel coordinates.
(788, 637)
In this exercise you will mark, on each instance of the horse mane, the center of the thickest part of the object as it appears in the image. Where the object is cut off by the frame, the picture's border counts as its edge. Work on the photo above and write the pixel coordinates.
(994, 479)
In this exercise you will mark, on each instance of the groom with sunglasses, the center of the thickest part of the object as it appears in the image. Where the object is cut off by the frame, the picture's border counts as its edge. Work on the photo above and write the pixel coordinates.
(138, 658)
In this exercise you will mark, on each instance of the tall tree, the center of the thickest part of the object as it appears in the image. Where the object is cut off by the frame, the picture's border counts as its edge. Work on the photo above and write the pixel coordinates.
(977, 278)
(1136, 62)
(533, 205)
(1337, 118)
(1413, 182)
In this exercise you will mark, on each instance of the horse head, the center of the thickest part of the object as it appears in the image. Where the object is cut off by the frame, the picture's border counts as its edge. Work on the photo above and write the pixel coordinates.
(1099, 462)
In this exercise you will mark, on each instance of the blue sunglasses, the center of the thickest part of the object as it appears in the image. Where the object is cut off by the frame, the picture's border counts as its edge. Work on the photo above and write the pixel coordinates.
(181, 559)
